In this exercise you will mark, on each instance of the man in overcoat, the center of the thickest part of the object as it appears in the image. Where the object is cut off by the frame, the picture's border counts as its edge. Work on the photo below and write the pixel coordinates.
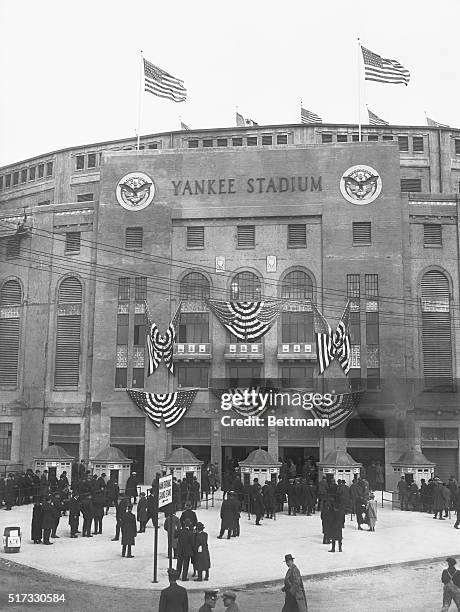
(226, 518)
(74, 514)
(131, 487)
(48, 521)
(128, 532)
(185, 543)
(173, 598)
(295, 598)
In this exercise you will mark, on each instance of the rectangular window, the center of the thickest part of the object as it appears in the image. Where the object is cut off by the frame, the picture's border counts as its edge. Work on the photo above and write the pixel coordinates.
(372, 137)
(432, 234)
(296, 327)
(193, 376)
(85, 197)
(195, 237)
(237, 142)
(457, 146)
(49, 168)
(246, 236)
(138, 378)
(353, 286)
(326, 138)
(44, 203)
(139, 329)
(80, 162)
(355, 137)
(141, 147)
(121, 378)
(24, 175)
(6, 435)
(68, 349)
(387, 138)
(281, 139)
(267, 140)
(194, 327)
(140, 288)
(411, 184)
(297, 235)
(342, 137)
(152, 145)
(355, 327)
(122, 329)
(222, 142)
(403, 143)
(15, 178)
(134, 237)
(8, 180)
(123, 289)
(297, 376)
(13, 247)
(91, 160)
(362, 232)
(372, 328)
(208, 142)
(41, 170)
(417, 144)
(251, 141)
(371, 285)
(72, 242)
(193, 144)
(32, 173)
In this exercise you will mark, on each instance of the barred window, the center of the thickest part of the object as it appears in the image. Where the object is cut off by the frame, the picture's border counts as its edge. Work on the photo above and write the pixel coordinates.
(194, 327)
(281, 139)
(194, 286)
(67, 357)
(353, 285)
(72, 242)
(134, 237)
(246, 236)
(362, 232)
(342, 137)
(13, 247)
(245, 287)
(140, 288)
(417, 144)
(222, 142)
(371, 285)
(326, 138)
(6, 435)
(403, 143)
(297, 285)
(432, 234)
(10, 325)
(297, 235)
(195, 236)
(123, 289)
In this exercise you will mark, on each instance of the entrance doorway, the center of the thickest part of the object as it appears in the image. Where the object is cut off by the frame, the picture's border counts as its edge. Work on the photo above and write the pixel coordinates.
(136, 452)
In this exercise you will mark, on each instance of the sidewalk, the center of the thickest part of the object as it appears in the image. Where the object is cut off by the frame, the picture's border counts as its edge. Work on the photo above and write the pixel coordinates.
(257, 556)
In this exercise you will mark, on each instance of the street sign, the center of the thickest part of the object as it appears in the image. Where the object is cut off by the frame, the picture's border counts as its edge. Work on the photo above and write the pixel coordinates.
(165, 491)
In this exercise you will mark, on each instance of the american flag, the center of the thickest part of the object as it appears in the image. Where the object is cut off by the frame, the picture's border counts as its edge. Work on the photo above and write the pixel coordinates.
(433, 123)
(170, 407)
(329, 344)
(383, 70)
(162, 84)
(243, 122)
(375, 119)
(162, 346)
(343, 406)
(307, 116)
(246, 320)
(184, 126)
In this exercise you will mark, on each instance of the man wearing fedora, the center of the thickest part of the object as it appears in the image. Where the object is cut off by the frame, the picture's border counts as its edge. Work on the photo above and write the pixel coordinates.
(210, 600)
(450, 578)
(295, 598)
(230, 604)
(173, 598)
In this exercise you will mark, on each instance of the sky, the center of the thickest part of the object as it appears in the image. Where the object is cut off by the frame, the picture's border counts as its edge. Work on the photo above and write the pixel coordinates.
(71, 70)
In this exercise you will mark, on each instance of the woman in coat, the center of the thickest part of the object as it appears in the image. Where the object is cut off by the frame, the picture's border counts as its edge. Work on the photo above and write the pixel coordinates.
(201, 558)
(128, 532)
(36, 528)
(371, 512)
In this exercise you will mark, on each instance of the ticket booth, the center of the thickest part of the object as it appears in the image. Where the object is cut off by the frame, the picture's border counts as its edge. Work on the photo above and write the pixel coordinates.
(54, 459)
(112, 462)
(261, 465)
(414, 466)
(340, 465)
(182, 463)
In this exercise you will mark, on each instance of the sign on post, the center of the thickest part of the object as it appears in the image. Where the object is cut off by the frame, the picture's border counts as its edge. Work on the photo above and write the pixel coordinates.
(164, 491)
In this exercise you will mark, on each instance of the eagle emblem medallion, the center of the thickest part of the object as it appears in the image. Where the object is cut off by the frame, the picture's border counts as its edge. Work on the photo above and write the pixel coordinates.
(135, 191)
(360, 185)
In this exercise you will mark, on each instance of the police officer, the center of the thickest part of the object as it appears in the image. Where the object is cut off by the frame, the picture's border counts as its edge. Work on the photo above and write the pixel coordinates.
(210, 600)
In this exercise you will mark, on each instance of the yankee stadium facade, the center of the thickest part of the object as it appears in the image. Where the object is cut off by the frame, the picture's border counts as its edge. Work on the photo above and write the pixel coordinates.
(98, 242)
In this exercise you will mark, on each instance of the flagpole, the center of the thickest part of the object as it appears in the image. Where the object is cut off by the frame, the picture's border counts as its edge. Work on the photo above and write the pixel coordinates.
(141, 69)
(359, 92)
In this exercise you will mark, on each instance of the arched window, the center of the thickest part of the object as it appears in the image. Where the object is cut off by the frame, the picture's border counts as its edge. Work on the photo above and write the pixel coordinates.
(245, 287)
(194, 286)
(68, 333)
(297, 318)
(194, 324)
(10, 329)
(436, 331)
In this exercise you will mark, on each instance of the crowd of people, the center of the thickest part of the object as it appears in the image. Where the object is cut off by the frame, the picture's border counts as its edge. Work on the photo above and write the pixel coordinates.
(433, 496)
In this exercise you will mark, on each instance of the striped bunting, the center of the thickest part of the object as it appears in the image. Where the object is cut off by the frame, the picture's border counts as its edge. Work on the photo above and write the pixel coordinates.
(170, 407)
(342, 408)
(162, 346)
(160, 83)
(330, 345)
(246, 320)
(383, 70)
